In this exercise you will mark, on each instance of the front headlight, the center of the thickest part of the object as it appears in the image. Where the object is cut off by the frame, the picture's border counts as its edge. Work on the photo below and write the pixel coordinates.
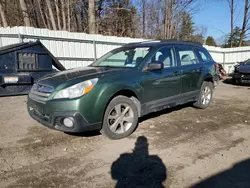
(77, 90)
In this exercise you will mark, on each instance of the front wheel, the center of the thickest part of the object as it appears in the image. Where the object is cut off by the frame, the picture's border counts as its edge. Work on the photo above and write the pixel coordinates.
(120, 118)
(205, 96)
(236, 82)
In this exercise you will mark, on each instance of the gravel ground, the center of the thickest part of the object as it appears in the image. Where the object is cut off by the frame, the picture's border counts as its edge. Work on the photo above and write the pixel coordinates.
(179, 147)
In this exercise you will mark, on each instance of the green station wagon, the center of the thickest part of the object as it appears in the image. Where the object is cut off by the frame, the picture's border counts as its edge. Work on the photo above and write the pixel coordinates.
(125, 84)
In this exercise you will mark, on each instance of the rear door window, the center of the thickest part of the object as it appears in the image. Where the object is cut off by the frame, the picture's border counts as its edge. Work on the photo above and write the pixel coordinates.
(187, 56)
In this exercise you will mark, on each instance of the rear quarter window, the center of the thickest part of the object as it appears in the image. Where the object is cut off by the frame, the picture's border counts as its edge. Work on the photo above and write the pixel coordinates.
(204, 55)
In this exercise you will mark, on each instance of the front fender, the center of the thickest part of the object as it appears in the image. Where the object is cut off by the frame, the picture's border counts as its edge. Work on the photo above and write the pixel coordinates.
(108, 92)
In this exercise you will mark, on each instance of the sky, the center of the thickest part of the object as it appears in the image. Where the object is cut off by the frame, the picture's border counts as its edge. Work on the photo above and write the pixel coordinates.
(215, 16)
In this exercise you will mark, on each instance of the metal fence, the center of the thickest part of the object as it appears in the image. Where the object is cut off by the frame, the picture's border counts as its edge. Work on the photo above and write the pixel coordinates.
(228, 57)
(80, 49)
(71, 49)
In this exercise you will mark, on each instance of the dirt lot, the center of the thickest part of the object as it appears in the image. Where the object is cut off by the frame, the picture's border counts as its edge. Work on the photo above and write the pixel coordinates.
(181, 147)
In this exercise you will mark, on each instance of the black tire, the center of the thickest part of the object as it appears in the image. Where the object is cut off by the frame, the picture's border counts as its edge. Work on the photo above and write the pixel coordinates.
(106, 130)
(236, 82)
(199, 103)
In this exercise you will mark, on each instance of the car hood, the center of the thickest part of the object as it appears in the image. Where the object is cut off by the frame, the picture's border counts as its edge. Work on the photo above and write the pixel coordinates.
(244, 68)
(80, 74)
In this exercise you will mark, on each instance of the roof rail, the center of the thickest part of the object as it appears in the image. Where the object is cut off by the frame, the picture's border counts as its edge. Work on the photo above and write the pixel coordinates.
(167, 41)
(181, 41)
(175, 40)
(193, 42)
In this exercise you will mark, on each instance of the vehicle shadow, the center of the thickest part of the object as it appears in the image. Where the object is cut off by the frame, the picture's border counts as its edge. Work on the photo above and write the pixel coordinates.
(85, 134)
(139, 169)
(238, 176)
(230, 82)
(165, 111)
(144, 118)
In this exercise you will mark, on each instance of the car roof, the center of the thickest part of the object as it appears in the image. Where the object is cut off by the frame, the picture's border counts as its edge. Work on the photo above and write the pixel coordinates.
(157, 43)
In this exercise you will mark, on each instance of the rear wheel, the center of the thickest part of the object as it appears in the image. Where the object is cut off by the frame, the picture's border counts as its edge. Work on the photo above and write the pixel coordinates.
(205, 96)
(120, 119)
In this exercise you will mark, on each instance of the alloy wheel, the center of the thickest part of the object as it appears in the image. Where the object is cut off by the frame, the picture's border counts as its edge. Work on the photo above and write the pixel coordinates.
(206, 95)
(120, 118)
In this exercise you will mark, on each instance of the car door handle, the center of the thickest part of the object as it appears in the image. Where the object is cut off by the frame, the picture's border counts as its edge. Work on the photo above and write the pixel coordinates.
(176, 73)
(200, 69)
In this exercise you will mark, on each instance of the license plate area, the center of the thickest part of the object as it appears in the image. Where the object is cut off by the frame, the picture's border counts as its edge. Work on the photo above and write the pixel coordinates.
(34, 107)
(10, 79)
(39, 113)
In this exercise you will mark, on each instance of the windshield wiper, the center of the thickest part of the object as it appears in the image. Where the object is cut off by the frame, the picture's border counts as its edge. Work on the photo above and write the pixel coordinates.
(107, 66)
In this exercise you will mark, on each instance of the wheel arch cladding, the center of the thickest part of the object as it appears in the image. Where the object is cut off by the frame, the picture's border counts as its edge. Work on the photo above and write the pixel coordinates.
(130, 94)
(110, 92)
(209, 78)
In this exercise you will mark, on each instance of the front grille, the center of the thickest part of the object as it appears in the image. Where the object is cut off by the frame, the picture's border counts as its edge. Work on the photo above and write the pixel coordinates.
(246, 76)
(40, 93)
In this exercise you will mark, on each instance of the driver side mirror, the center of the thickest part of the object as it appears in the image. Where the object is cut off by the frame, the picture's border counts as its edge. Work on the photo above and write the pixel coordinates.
(155, 65)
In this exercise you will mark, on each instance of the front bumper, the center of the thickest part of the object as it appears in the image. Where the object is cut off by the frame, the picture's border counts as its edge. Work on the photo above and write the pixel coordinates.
(54, 119)
(241, 77)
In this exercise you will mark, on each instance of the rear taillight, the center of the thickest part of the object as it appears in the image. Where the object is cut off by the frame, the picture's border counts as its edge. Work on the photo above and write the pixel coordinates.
(216, 67)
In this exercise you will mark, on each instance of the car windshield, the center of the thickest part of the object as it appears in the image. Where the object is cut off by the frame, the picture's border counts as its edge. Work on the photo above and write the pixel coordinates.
(123, 57)
(247, 62)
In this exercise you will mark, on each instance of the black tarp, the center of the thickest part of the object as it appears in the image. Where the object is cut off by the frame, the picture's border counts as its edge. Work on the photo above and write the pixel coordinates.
(22, 64)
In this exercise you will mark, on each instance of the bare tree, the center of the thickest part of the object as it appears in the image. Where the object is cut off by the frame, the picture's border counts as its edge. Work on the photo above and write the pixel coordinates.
(167, 19)
(133, 18)
(173, 9)
(68, 10)
(63, 14)
(154, 19)
(143, 17)
(91, 15)
(26, 17)
(232, 10)
(34, 14)
(245, 22)
(47, 18)
(41, 12)
(51, 15)
(58, 15)
(3, 16)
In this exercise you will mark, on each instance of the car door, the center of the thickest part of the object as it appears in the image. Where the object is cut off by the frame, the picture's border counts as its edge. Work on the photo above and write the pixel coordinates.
(192, 71)
(207, 61)
(162, 87)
